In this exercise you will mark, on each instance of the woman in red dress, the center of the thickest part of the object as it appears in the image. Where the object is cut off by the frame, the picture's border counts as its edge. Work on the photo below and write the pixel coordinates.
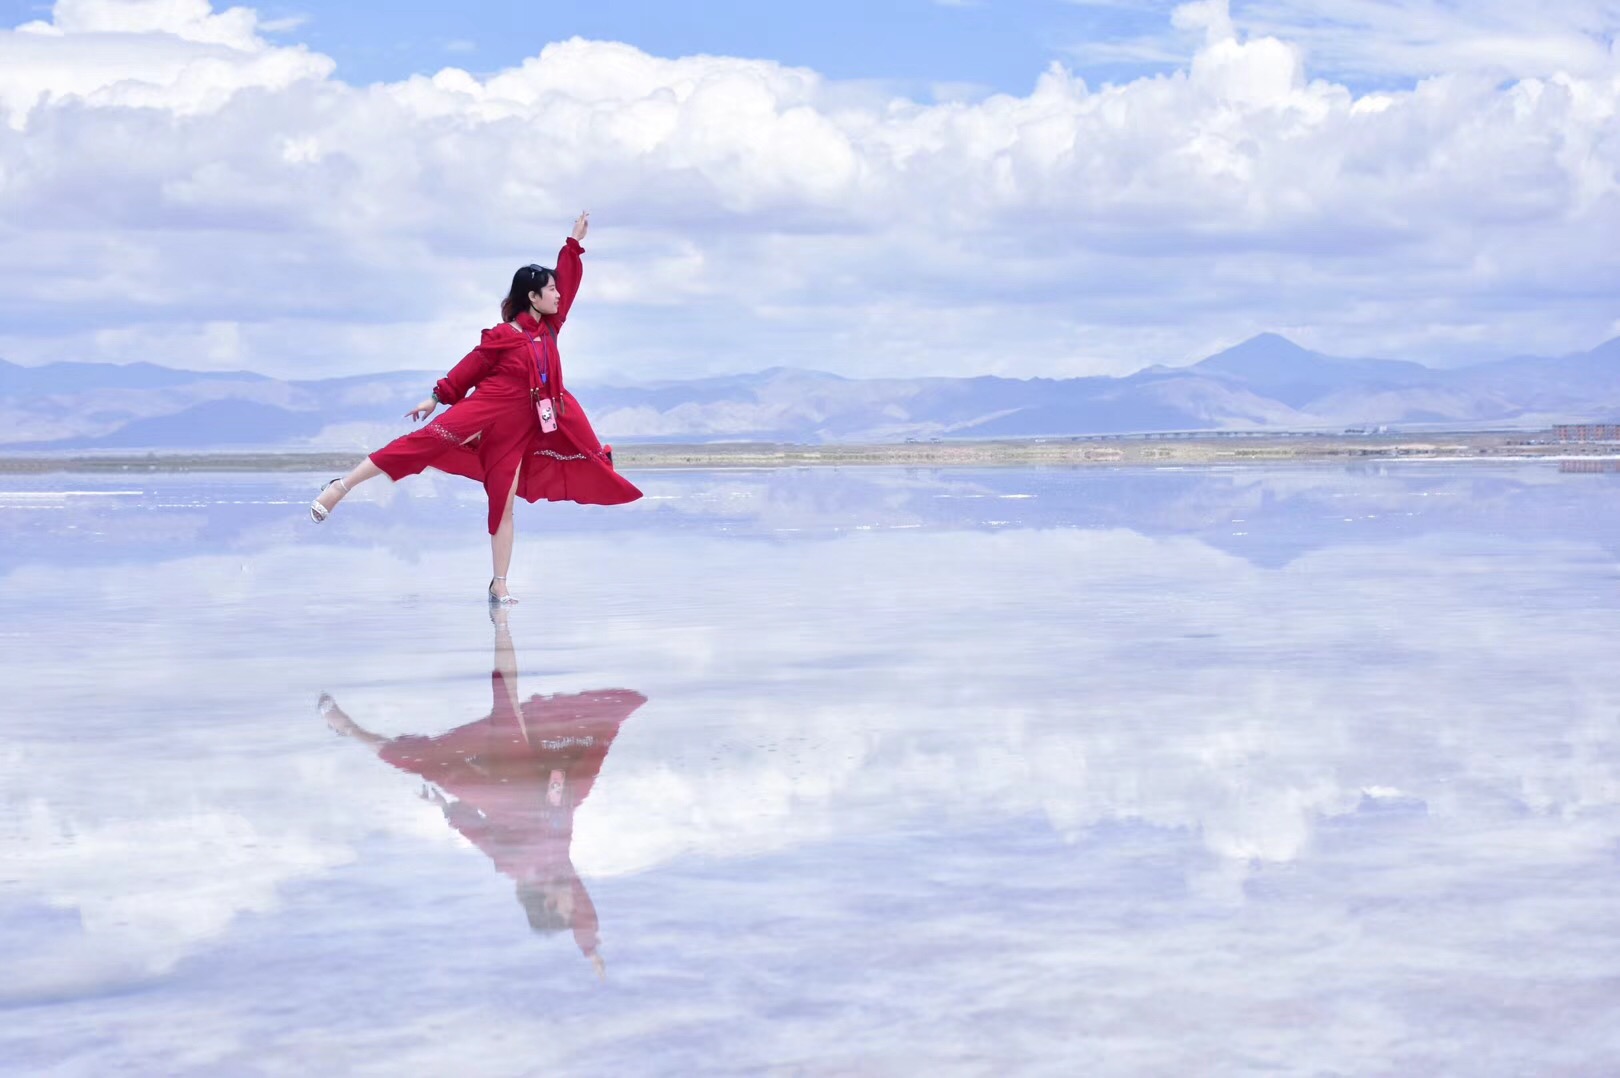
(512, 781)
(511, 424)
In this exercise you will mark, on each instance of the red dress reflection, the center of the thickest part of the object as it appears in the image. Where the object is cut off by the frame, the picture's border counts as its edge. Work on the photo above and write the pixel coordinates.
(511, 782)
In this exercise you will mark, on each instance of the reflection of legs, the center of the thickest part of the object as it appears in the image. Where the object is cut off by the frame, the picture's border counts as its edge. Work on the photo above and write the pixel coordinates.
(339, 721)
(505, 653)
(505, 660)
(359, 474)
(500, 543)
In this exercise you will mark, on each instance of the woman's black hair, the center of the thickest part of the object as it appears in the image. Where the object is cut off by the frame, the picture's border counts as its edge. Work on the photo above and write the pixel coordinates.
(530, 278)
(544, 917)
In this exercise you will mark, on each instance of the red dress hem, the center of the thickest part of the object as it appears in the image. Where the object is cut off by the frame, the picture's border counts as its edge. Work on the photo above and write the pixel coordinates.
(491, 433)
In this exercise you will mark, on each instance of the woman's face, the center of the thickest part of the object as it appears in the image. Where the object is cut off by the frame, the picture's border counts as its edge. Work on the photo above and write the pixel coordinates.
(546, 300)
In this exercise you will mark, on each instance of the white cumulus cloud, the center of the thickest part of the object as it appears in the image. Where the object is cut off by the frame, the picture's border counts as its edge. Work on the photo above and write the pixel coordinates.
(171, 54)
(164, 168)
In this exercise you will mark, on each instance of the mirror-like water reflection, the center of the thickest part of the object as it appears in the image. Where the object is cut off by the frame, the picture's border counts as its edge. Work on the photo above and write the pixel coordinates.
(1304, 769)
(510, 783)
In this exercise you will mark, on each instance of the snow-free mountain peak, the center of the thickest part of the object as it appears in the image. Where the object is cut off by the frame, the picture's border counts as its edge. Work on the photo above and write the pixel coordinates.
(1266, 382)
(1273, 365)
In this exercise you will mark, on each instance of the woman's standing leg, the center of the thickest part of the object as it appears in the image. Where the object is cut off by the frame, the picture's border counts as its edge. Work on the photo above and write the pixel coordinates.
(501, 541)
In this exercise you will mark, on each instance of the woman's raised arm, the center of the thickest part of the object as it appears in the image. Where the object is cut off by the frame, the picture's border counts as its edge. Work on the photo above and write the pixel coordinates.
(569, 271)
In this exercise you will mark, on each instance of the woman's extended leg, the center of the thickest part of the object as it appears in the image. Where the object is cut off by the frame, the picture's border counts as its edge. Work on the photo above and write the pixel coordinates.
(500, 543)
(339, 721)
(359, 474)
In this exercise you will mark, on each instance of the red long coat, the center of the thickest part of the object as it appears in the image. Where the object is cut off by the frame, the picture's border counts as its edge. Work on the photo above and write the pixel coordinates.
(518, 776)
(491, 428)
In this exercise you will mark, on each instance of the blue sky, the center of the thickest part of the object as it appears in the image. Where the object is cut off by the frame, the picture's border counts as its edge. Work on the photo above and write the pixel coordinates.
(913, 44)
(1045, 188)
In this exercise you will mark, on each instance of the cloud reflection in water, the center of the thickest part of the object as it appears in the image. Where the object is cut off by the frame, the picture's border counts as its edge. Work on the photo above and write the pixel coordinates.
(1104, 771)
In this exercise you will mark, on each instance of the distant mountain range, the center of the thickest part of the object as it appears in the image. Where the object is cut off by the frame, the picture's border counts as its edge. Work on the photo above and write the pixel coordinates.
(1265, 383)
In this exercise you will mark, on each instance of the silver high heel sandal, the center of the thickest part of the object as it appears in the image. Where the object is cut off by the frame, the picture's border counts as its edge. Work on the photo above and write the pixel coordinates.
(501, 600)
(319, 512)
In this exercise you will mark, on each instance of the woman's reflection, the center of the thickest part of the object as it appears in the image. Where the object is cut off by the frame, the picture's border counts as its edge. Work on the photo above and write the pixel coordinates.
(514, 780)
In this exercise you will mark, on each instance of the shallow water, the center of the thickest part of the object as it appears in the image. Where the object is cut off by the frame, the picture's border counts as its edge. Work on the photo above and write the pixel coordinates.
(1307, 770)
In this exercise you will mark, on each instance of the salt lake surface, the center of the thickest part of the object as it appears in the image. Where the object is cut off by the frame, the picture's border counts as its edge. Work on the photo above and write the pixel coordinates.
(1302, 770)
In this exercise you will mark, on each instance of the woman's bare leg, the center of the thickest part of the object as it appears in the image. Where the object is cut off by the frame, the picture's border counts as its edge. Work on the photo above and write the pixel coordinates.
(361, 472)
(500, 544)
(339, 721)
(506, 659)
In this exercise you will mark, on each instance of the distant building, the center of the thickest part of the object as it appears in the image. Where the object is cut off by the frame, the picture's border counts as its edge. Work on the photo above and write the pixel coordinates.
(1586, 432)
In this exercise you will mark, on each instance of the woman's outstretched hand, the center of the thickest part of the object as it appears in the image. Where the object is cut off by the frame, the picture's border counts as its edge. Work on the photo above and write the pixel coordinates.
(423, 410)
(582, 225)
